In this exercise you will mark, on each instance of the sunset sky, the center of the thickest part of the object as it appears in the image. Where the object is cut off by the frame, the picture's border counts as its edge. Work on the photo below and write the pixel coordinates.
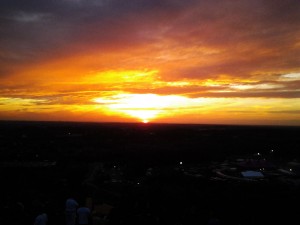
(162, 61)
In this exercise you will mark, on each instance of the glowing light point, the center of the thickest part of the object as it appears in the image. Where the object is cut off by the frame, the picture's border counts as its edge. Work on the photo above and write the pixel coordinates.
(145, 121)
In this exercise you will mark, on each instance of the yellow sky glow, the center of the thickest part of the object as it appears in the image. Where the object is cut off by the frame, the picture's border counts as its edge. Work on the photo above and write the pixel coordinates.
(148, 107)
(172, 62)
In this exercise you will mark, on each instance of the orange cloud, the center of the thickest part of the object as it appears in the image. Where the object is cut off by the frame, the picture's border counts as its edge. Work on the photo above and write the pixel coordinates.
(217, 59)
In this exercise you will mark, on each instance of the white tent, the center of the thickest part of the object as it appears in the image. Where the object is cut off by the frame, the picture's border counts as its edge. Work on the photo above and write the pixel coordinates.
(252, 174)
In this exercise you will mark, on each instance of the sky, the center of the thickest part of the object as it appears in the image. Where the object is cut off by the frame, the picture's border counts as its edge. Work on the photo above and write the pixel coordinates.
(161, 61)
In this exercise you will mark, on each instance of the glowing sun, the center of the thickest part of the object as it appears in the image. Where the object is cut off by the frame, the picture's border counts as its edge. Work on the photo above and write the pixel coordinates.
(145, 107)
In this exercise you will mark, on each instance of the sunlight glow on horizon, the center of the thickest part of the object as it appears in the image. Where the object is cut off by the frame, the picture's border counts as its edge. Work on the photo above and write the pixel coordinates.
(116, 99)
(142, 106)
(176, 62)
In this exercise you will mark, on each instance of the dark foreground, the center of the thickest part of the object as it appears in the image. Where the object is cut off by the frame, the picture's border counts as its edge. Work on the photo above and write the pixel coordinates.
(145, 173)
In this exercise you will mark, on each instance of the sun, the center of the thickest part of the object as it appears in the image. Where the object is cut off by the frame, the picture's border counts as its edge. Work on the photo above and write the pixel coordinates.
(144, 115)
(145, 107)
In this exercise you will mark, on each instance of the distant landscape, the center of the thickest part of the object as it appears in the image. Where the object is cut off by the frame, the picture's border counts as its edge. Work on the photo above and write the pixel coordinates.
(47, 161)
(121, 141)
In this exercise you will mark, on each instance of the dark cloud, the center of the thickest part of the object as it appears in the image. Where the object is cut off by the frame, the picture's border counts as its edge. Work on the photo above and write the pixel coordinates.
(215, 23)
(286, 111)
(248, 94)
(32, 30)
(251, 36)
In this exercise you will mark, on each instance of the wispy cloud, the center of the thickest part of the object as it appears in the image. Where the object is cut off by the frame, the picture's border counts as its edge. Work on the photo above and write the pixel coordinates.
(69, 52)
